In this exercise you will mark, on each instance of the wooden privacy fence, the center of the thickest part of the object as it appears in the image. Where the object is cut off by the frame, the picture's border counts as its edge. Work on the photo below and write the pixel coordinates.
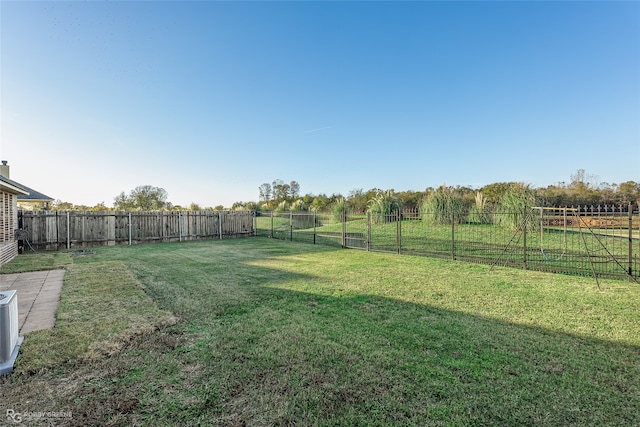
(54, 230)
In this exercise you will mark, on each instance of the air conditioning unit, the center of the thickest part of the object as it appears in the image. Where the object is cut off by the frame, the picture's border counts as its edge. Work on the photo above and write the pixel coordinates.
(9, 339)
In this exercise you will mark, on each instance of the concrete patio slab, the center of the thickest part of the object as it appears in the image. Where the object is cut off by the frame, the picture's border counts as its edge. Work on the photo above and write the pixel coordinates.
(38, 297)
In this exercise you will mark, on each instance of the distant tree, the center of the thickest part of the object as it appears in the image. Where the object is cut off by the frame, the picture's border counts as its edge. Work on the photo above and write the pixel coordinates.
(99, 207)
(320, 203)
(294, 190)
(265, 192)
(280, 190)
(59, 205)
(194, 207)
(553, 195)
(357, 201)
(122, 202)
(629, 191)
(218, 208)
(410, 199)
(143, 198)
(492, 193)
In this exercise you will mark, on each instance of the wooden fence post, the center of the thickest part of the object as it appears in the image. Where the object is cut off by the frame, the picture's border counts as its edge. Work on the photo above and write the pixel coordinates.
(68, 230)
(111, 230)
(220, 223)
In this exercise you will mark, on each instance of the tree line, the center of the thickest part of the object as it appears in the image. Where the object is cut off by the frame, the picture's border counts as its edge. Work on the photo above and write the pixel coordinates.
(278, 195)
(583, 189)
(141, 198)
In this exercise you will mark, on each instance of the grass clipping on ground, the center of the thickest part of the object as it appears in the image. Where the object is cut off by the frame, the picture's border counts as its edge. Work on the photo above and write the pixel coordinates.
(102, 306)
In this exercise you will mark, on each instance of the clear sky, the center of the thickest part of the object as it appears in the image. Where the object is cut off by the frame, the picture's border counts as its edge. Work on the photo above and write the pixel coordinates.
(208, 100)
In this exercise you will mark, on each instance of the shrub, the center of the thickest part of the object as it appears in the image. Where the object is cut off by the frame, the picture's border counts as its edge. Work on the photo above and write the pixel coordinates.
(515, 204)
(479, 212)
(339, 209)
(442, 206)
(282, 206)
(298, 206)
(383, 205)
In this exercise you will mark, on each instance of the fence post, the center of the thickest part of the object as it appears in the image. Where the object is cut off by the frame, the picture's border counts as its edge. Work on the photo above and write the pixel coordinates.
(179, 226)
(368, 230)
(83, 237)
(57, 231)
(524, 238)
(291, 225)
(254, 222)
(68, 230)
(314, 226)
(20, 226)
(630, 241)
(344, 228)
(130, 229)
(398, 232)
(453, 235)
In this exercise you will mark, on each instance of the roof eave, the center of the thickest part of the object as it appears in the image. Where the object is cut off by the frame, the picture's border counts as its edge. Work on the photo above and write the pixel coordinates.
(5, 186)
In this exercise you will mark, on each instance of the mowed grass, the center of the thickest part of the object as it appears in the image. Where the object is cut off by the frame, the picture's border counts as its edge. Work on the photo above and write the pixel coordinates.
(568, 252)
(279, 333)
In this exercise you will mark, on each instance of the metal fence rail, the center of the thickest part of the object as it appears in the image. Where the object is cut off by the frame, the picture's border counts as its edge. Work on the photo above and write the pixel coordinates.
(602, 241)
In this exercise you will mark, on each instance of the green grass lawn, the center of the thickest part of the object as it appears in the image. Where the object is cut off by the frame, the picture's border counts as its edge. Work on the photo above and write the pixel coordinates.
(554, 250)
(268, 332)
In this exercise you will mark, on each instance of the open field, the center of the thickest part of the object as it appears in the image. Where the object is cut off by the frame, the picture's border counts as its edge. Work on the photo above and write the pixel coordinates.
(264, 332)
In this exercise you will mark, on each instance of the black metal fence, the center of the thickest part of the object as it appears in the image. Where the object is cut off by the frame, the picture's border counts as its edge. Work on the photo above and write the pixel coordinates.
(599, 241)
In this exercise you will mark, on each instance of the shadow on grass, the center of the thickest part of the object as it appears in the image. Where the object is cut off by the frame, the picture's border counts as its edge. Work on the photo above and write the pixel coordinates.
(262, 344)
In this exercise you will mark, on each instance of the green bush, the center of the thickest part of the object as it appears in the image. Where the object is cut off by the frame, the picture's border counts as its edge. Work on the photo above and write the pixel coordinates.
(298, 206)
(480, 212)
(515, 204)
(383, 205)
(282, 206)
(442, 206)
(339, 209)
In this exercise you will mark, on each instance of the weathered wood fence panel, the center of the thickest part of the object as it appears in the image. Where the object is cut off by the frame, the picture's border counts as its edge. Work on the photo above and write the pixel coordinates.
(54, 230)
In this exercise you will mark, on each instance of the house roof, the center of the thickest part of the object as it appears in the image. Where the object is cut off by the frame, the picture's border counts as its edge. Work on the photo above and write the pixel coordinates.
(25, 194)
(12, 187)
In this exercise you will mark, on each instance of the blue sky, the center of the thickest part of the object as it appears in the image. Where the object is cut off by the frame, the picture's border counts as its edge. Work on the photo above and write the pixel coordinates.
(208, 100)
